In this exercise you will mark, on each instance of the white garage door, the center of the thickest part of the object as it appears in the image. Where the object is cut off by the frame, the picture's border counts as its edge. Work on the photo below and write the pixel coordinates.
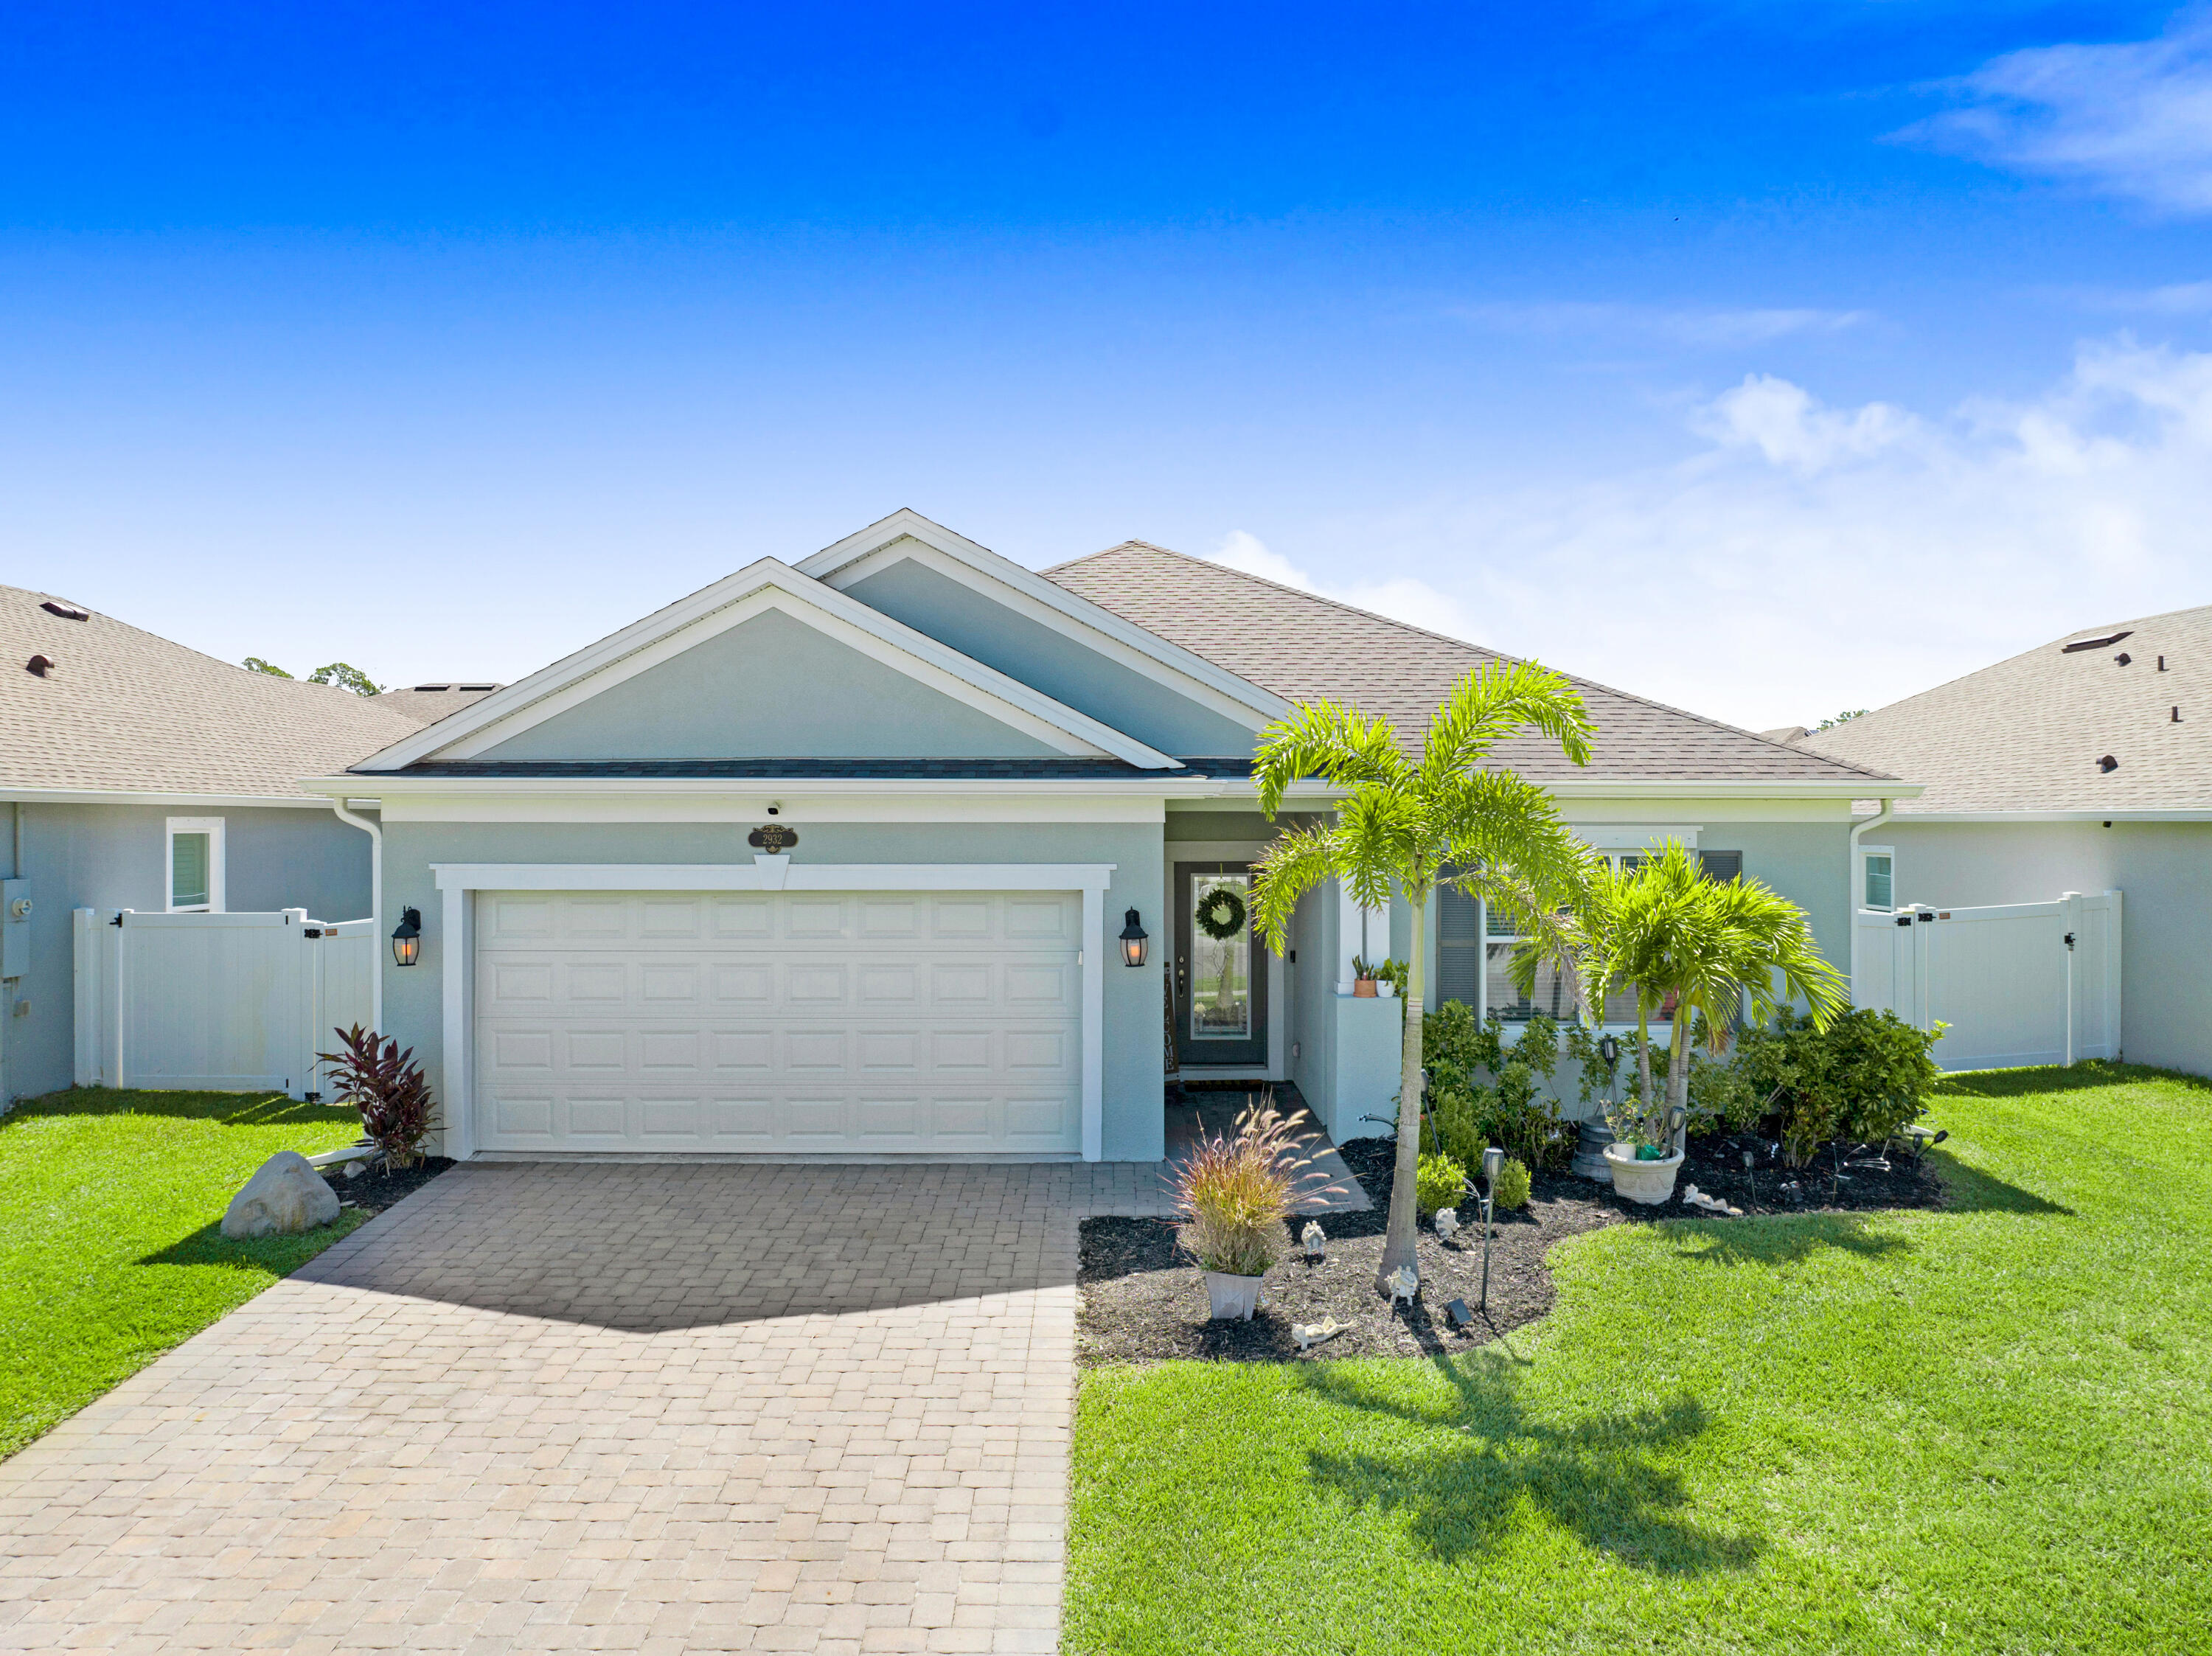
(939, 1021)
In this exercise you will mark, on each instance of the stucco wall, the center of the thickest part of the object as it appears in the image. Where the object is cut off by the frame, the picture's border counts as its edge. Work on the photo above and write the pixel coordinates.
(770, 687)
(990, 633)
(116, 856)
(1135, 1118)
(2164, 870)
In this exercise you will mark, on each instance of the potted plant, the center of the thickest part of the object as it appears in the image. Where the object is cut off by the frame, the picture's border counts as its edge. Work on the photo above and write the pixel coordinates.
(1390, 979)
(1692, 950)
(1363, 976)
(1235, 1195)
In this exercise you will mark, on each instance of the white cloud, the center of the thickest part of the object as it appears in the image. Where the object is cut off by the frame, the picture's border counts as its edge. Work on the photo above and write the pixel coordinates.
(2133, 118)
(1706, 328)
(1807, 558)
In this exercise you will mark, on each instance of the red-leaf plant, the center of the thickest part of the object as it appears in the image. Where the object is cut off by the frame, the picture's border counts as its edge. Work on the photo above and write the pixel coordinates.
(388, 1088)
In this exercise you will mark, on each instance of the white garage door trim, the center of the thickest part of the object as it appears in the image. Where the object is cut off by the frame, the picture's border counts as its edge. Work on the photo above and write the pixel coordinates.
(456, 944)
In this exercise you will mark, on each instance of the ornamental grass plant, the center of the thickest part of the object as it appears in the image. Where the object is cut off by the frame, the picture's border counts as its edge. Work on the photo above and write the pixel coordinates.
(1234, 1192)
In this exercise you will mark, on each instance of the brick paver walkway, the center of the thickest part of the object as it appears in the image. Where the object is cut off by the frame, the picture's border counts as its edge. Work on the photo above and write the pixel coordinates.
(638, 1408)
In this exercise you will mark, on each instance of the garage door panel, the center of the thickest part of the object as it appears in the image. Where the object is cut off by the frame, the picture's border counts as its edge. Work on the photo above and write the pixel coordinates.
(903, 1022)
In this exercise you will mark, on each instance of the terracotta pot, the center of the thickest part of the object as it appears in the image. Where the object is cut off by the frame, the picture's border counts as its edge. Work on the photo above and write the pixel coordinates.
(1648, 1182)
(1364, 987)
(1233, 1296)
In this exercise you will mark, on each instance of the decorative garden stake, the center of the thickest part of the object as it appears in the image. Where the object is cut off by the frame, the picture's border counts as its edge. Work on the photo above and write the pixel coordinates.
(1311, 1239)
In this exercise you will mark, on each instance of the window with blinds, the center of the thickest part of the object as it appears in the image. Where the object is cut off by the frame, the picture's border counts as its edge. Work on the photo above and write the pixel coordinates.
(189, 862)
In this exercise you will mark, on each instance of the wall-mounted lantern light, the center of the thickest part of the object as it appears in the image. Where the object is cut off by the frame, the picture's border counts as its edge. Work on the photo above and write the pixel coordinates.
(407, 937)
(1133, 941)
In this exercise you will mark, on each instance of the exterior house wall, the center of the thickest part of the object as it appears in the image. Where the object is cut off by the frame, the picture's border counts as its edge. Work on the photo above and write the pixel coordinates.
(955, 614)
(112, 857)
(2164, 870)
(1133, 1101)
(770, 687)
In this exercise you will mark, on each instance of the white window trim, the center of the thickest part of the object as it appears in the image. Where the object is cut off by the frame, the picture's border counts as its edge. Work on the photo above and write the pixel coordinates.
(212, 826)
(1613, 844)
(1859, 878)
(459, 883)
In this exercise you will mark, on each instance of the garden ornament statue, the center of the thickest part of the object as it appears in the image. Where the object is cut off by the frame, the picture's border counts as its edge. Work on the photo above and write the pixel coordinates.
(1309, 1335)
(1313, 1240)
(1405, 1284)
(1446, 1223)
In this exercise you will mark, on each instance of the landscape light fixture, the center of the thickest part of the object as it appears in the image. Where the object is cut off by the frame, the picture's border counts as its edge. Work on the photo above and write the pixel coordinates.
(1135, 943)
(1493, 1163)
(407, 937)
(1609, 1049)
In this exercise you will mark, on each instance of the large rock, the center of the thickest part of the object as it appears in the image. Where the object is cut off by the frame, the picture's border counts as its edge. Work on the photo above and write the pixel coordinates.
(286, 1195)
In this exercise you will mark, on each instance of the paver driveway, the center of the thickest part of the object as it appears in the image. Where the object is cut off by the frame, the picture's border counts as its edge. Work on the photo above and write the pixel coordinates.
(643, 1408)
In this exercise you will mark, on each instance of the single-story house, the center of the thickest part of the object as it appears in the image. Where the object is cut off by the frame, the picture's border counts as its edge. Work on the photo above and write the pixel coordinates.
(850, 856)
(2082, 765)
(137, 773)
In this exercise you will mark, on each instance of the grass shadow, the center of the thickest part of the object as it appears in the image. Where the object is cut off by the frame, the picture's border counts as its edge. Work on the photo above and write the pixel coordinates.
(1603, 1478)
(226, 1109)
(2086, 1076)
(1782, 1239)
(1969, 1190)
(275, 1255)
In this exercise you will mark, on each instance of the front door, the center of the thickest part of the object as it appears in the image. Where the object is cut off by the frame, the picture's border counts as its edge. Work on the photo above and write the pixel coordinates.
(1220, 968)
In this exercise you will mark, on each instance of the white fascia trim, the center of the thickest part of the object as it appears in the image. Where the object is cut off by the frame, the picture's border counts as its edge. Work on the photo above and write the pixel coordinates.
(742, 810)
(1092, 625)
(179, 801)
(1630, 836)
(1907, 819)
(730, 600)
(773, 874)
(1580, 788)
(781, 790)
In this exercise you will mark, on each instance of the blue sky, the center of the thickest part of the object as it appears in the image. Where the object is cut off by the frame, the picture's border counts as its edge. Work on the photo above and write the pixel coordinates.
(1763, 359)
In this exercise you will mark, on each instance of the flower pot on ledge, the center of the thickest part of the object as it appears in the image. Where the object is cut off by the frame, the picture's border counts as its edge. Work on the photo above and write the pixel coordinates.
(1648, 1182)
(1364, 987)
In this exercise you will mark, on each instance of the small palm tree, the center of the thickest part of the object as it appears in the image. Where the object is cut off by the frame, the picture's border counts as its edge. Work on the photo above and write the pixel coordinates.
(1417, 824)
(1687, 948)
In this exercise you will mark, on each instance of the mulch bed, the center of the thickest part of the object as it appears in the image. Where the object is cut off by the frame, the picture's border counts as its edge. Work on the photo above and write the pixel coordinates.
(1143, 1299)
(374, 1189)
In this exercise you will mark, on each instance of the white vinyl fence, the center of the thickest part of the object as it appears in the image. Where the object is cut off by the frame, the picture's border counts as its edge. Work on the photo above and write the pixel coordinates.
(2021, 983)
(219, 1003)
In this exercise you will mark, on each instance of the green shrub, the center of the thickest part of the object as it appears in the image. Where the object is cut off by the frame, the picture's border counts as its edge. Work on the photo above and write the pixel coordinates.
(1483, 1092)
(1861, 1080)
(1439, 1182)
(1513, 1183)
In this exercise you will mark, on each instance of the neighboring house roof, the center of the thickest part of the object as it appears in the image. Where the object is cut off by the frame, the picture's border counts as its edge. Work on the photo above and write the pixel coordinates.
(124, 710)
(2029, 733)
(1306, 648)
(426, 704)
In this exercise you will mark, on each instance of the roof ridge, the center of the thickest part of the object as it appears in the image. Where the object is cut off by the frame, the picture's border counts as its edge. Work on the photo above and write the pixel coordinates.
(1484, 650)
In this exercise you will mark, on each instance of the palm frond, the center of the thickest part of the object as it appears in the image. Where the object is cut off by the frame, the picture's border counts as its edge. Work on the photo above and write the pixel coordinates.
(1339, 745)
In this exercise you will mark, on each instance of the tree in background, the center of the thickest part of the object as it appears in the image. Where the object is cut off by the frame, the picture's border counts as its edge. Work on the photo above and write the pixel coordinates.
(343, 674)
(1417, 824)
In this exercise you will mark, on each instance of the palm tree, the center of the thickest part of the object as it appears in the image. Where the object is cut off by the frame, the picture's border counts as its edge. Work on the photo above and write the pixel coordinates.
(1686, 947)
(1417, 824)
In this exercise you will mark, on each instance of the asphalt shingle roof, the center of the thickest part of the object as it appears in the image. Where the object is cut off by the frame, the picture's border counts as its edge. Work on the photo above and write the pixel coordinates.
(2027, 733)
(1306, 648)
(123, 710)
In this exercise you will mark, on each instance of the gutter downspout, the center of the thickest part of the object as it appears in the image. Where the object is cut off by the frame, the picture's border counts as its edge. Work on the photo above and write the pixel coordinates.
(1856, 896)
(376, 909)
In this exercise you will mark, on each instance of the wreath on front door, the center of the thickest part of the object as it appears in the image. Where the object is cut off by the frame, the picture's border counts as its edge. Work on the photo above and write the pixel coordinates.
(1221, 913)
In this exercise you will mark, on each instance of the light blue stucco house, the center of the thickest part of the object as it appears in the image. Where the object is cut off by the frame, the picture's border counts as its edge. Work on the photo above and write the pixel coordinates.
(838, 858)
(137, 773)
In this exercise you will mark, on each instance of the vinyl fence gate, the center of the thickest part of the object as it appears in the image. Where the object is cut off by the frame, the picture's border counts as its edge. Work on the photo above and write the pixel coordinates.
(2018, 982)
(216, 1002)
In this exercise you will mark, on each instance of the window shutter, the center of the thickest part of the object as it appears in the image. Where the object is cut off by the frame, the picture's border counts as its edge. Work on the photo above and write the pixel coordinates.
(1459, 946)
(1722, 866)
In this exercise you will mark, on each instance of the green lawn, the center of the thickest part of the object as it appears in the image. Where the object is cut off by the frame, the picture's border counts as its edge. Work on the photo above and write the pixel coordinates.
(109, 1254)
(1985, 1429)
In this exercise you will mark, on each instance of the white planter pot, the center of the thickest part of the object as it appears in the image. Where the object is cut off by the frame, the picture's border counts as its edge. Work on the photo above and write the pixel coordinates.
(1233, 1296)
(1386, 991)
(1648, 1182)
